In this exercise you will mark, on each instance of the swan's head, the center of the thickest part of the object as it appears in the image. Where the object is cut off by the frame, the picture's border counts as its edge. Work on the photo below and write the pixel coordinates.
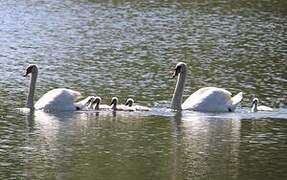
(179, 68)
(97, 100)
(255, 101)
(114, 101)
(32, 68)
(90, 101)
(129, 102)
(254, 105)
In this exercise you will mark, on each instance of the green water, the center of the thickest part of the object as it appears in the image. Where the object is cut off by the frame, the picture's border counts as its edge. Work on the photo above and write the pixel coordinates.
(128, 49)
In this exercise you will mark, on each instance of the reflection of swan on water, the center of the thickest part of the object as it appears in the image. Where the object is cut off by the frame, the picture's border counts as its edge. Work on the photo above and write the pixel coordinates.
(200, 137)
(208, 99)
(256, 108)
(60, 99)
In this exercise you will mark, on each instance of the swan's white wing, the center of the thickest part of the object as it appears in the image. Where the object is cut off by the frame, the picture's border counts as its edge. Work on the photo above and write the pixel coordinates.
(60, 99)
(237, 98)
(208, 99)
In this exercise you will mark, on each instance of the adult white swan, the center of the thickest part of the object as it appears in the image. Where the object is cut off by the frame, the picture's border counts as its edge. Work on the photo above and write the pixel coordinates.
(256, 108)
(208, 99)
(60, 99)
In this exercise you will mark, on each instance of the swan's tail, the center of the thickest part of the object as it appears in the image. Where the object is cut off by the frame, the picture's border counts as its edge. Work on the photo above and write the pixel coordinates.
(235, 100)
(75, 94)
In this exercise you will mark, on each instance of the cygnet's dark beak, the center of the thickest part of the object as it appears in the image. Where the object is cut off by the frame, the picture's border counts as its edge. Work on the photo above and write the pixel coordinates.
(25, 74)
(253, 102)
(176, 71)
(173, 74)
(91, 100)
(27, 71)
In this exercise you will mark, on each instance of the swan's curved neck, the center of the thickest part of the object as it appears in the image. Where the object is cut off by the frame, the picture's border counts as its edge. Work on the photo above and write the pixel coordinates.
(178, 92)
(114, 105)
(30, 98)
(97, 106)
(254, 107)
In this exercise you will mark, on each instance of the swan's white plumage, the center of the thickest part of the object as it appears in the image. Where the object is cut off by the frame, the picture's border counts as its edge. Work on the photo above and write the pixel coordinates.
(264, 108)
(60, 99)
(211, 99)
(208, 99)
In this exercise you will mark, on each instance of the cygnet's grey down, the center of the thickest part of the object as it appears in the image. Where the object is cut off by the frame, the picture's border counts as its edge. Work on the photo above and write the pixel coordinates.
(256, 108)
(130, 103)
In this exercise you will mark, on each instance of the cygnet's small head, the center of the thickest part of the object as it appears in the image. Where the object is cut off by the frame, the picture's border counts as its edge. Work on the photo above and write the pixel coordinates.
(129, 102)
(32, 68)
(114, 101)
(180, 67)
(98, 100)
(255, 101)
(90, 101)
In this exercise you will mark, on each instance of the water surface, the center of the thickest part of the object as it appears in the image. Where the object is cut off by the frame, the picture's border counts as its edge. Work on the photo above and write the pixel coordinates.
(128, 49)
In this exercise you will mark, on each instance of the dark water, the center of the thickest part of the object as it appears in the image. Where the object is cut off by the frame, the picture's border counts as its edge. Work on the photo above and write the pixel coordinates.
(127, 49)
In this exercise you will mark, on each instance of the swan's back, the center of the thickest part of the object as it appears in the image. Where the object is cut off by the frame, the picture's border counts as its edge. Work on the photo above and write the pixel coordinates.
(264, 108)
(209, 99)
(60, 99)
(141, 108)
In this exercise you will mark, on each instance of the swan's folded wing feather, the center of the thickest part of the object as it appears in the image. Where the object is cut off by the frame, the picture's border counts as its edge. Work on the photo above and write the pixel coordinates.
(204, 90)
(237, 98)
(209, 99)
(58, 99)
